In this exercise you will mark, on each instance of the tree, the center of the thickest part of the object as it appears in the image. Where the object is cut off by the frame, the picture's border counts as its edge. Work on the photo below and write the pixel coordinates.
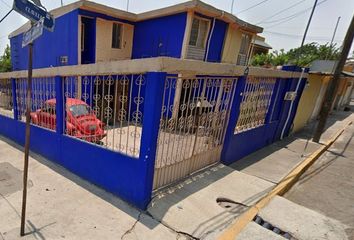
(303, 56)
(5, 60)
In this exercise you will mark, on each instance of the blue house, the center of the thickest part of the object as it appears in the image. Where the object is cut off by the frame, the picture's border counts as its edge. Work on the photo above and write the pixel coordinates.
(88, 32)
(164, 118)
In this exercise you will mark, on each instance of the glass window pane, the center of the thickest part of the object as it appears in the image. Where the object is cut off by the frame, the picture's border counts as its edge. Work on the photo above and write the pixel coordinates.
(194, 32)
(116, 35)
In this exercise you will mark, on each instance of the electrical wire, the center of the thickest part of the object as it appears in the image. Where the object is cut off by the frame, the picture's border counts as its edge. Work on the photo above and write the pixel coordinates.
(5, 3)
(295, 14)
(281, 11)
(286, 19)
(253, 6)
(300, 36)
(7, 14)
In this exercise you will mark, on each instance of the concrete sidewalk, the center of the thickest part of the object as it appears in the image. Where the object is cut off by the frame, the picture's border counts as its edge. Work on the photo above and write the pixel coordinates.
(63, 206)
(192, 206)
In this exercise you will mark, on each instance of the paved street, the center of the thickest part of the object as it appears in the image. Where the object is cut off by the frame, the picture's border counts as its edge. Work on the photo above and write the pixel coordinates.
(328, 186)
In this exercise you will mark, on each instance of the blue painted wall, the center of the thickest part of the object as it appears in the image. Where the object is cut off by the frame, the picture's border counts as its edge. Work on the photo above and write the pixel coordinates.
(216, 41)
(242, 144)
(127, 177)
(159, 37)
(50, 46)
(291, 85)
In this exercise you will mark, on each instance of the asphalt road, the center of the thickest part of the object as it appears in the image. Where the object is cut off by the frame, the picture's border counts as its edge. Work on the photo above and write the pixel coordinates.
(327, 187)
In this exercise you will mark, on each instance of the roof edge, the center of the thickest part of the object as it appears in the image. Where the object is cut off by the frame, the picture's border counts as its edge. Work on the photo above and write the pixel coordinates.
(193, 5)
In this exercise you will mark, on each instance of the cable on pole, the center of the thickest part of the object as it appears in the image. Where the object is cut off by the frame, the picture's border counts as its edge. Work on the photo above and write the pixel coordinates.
(253, 6)
(7, 14)
(288, 18)
(281, 11)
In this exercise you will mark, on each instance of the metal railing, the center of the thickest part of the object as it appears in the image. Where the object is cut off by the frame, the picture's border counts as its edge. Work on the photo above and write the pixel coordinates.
(43, 101)
(6, 98)
(255, 103)
(107, 110)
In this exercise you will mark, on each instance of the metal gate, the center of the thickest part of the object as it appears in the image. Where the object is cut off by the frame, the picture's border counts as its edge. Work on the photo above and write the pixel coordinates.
(194, 118)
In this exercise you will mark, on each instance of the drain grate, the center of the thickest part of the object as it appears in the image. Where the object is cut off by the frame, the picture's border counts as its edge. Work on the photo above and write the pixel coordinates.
(257, 219)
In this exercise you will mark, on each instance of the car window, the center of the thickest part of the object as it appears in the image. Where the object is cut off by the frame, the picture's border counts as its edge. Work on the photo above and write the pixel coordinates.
(80, 110)
(48, 108)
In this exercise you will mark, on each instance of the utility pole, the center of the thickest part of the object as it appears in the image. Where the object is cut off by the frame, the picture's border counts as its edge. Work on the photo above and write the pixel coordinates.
(333, 85)
(334, 34)
(127, 5)
(335, 30)
(308, 23)
(232, 6)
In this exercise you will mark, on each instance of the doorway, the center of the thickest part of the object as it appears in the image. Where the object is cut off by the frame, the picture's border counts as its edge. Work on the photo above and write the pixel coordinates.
(88, 40)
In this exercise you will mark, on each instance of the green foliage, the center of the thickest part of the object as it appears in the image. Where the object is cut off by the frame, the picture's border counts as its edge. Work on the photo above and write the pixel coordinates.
(298, 56)
(5, 60)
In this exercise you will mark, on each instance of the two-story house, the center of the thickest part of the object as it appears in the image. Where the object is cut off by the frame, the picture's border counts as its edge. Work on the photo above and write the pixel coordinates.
(88, 32)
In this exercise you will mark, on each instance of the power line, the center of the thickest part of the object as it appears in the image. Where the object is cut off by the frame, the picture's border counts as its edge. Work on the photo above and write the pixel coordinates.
(253, 6)
(281, 11)
(5, 3)
(299, 36)
(293, 16)
(7, 14)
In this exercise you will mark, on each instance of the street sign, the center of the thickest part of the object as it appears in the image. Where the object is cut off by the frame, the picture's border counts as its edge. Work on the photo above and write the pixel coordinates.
(34, 13)
(32, 34)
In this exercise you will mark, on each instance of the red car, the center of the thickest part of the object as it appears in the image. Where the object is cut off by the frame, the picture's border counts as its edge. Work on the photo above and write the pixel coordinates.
(81, 122)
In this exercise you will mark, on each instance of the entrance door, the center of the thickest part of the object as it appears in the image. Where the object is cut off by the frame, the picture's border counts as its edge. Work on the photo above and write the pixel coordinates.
(88, 40)
(192, 129)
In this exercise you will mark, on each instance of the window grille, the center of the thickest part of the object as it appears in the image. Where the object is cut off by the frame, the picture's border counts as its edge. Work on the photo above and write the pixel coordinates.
(243, 53)
(199, 32)
(255, 103)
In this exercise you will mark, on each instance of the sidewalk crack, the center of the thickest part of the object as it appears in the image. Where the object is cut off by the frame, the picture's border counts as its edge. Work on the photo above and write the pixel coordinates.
(130, 230)
(173, 230)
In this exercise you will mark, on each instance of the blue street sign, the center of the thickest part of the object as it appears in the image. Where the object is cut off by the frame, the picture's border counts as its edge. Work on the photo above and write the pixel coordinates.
(34, 13)
(32, 34)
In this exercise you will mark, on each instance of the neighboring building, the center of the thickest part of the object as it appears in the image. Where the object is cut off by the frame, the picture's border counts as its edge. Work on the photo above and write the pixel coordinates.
(259, 46)
(87, 32)
(321, 73)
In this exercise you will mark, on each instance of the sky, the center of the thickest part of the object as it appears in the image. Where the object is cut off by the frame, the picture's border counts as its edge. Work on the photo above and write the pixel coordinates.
(283, 29)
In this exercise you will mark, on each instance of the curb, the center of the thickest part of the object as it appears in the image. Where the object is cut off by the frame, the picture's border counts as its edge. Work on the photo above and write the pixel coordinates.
(281, 188)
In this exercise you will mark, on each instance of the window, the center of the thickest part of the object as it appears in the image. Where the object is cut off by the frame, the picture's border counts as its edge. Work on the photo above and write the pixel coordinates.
(245, 43)
(117, 35)
(199, 32)
(255, 103)
(243, 53)
(80, 110)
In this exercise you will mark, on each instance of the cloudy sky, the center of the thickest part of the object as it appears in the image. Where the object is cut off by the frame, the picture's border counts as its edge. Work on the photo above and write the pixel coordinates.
(283, 21)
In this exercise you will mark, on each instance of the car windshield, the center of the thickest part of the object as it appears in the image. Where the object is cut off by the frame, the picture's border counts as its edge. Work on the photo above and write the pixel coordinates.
(80, 110)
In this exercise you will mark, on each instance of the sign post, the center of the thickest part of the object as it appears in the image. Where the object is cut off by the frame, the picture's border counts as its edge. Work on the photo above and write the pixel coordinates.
(27, 139)
(39, 18)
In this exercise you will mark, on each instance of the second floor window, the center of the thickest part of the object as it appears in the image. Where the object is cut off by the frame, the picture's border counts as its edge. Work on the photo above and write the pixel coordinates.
(117, 35)
(245, 43)
(199, 32)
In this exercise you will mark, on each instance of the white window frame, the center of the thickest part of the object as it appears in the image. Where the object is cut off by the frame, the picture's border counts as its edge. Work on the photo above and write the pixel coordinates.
(207, 32)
